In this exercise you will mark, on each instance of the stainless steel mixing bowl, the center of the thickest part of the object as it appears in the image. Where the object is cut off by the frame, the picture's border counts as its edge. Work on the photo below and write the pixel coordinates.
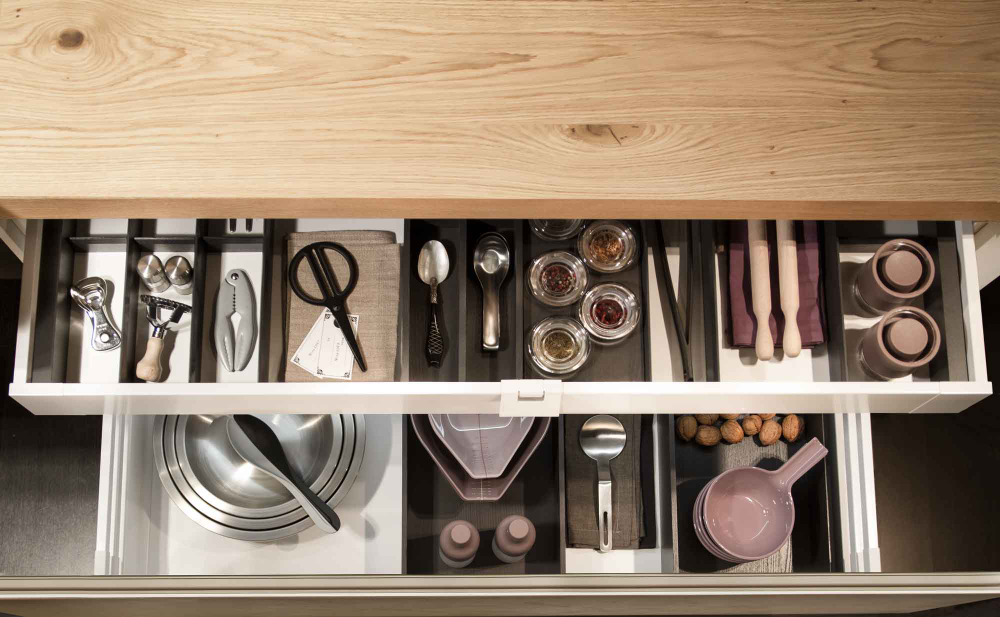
(346, 470)
(222, 478)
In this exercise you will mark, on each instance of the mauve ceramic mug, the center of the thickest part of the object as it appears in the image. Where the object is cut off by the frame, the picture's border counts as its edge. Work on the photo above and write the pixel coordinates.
(899, 271)
(749, 512)
(905, 339)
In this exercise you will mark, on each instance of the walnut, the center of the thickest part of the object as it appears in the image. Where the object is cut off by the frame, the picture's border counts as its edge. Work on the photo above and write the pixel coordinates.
(686, 427)
(706, 418)
(770, 432)
(707, 435)
(729, 416)
(751, 424)
(766, 416)
(731, 431)
(792, 427)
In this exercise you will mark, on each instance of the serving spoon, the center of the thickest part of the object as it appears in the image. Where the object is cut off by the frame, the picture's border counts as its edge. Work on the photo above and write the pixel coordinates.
(602, 439)
(254, 440)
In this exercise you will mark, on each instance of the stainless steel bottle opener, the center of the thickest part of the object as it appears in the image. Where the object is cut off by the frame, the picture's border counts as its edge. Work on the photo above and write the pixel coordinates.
(93, 297)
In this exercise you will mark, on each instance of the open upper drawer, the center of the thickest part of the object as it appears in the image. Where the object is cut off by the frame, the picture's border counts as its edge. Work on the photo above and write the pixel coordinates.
(57, 371)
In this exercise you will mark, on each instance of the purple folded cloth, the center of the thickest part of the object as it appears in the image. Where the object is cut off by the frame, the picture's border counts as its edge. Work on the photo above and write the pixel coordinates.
(742, 323)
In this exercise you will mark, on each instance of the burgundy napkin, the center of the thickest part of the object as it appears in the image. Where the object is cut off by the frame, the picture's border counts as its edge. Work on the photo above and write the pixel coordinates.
(742, 323)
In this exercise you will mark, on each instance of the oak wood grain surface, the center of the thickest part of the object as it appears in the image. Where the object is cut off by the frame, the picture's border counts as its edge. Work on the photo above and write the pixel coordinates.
(863, 101)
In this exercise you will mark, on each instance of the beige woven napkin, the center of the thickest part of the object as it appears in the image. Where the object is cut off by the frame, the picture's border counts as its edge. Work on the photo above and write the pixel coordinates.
(375, 299)
(581, 488)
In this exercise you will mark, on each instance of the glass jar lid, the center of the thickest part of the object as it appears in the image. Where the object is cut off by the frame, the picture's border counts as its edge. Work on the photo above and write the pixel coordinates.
(557, 278)
(558, 346)
(607, 246)
(556, 229)
(609, 312)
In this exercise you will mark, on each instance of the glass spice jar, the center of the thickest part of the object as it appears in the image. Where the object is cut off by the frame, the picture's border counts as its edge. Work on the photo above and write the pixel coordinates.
(556, 229)
(607, 246)
(557, 346)
(609, 312)
(557, 278)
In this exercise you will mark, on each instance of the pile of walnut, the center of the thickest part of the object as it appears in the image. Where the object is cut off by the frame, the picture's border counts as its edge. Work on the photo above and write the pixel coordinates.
(769, 429)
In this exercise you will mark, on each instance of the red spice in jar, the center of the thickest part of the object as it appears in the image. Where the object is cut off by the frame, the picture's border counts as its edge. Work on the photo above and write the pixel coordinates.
(558, 280)
(608, 312)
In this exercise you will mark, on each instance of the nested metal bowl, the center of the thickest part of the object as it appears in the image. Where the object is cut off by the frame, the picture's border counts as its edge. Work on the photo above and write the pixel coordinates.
(347, 464)
(223, 479)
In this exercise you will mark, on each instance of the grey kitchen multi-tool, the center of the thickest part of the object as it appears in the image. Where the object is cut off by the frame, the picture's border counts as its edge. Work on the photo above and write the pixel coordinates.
(93, 297)
(235, 346)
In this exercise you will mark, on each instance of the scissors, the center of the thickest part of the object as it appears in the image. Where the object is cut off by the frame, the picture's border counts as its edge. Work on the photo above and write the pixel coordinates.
(334, 298)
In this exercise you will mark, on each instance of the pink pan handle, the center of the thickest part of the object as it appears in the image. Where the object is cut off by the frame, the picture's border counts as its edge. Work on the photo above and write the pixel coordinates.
(803, 460)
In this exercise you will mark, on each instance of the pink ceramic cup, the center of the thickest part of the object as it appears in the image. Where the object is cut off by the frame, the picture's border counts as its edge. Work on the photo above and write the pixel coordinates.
(749, 512)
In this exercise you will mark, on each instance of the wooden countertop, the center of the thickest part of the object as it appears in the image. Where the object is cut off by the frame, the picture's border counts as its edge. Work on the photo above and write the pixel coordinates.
(666, 108)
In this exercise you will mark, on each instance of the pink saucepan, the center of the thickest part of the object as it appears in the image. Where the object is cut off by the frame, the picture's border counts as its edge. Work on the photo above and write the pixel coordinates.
(749, 512)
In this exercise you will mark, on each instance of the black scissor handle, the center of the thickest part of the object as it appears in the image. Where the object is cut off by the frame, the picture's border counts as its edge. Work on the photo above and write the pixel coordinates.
(322, 272)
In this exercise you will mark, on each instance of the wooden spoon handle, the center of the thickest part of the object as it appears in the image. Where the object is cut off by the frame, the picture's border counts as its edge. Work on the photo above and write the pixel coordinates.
(788, 286)
(760, 287)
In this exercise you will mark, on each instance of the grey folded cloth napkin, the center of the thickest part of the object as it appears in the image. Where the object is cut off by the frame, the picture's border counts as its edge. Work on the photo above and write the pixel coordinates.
(581, 488)
(811, 317)
(375, 299)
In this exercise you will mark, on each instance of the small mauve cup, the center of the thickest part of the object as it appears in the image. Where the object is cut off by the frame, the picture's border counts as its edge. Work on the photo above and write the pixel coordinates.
(749, 512)
(899, 271)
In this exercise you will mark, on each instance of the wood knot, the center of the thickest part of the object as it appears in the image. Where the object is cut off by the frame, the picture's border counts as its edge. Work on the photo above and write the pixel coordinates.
(71, 38)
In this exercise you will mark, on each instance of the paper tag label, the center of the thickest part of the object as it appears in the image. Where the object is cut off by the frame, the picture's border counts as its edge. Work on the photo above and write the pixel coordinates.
(307, 355)
(324, 352)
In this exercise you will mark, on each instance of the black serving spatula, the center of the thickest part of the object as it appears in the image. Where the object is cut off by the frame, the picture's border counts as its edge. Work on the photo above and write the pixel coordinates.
(254, 440)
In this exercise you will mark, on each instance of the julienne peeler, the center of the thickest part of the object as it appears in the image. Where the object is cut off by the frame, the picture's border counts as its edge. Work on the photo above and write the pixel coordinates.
(235, 345)
(149, 368)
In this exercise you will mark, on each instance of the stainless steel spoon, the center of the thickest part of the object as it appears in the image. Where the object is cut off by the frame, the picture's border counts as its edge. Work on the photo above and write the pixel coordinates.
(602, 438)
(433, 267)
(491, 260)
(254, 440)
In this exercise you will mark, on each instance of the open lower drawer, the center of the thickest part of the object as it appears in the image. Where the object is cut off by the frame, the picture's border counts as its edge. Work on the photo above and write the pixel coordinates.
(395, 510)
(57, 372)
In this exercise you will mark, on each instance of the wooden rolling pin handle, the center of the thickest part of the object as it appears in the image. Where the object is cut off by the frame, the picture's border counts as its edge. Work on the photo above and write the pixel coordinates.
(148, 369)
(760, 287)
(788, 287)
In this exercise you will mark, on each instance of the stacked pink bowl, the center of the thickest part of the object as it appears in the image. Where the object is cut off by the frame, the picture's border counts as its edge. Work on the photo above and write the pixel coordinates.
(747, 513)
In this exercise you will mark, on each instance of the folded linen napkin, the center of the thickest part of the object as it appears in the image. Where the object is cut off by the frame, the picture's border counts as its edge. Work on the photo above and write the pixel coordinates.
(581, 488)
(811, 317)
(375, 299)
